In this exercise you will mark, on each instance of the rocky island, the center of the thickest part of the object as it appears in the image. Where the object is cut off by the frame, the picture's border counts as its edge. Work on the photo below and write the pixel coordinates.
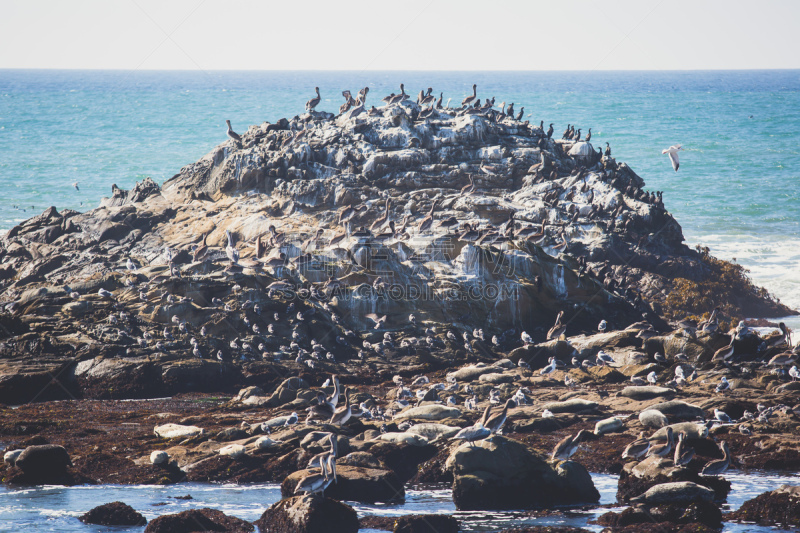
(361, 289)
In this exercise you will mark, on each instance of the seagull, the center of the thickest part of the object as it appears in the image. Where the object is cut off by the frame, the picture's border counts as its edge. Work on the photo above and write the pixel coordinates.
(526, 338)
(794, 373)
(721, 416)
(673, 155)
(652, 378)
(602, 326)
(375, 318)
(549, 368)
(723, 385)
(604, 357)
(76, 186)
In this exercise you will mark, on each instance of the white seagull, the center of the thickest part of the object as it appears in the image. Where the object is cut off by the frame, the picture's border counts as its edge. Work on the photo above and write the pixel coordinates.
(673, 155)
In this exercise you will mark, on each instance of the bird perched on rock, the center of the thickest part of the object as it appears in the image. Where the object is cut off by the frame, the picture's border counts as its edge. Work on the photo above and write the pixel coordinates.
(637, 449)
(568, 446)
(723, 385)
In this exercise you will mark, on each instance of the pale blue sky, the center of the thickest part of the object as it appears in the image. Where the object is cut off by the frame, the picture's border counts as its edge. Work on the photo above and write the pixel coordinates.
(399, 35)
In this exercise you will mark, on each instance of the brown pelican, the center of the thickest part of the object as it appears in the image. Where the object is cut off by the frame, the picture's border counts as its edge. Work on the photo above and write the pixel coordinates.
(718, 466)
(468, 189)
(567, 446)
(318, 482)
(311, 104)
(232, 134)
(201, 252)
(662, 450)
(347, 102)
(230, 250)
(469, 99)
(470, 234)
(427, 222)
(429, 98)
(726, 352)
(362, 94)
(783, 359)
(399, 97)
(439, 101)
(311, 240)
(683, 453)
(448, 223)
(784, 338)
(343, 414)
(385, 236)
(321, 409)
(638, 448)
(380, 221)
(558, 329)
(495, 422)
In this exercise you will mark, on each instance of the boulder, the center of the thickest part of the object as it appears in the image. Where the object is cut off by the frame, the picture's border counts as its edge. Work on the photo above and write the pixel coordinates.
(113, 514)
(502, 473)
(779, 507)
(177, 431)
(43, 461)
(426, 523)
(356, 484)
(195, 520)
(636, 478)
(308, 514)
(286, 391)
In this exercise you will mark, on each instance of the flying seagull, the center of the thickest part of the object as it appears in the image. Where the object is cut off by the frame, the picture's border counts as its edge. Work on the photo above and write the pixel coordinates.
(673, 155)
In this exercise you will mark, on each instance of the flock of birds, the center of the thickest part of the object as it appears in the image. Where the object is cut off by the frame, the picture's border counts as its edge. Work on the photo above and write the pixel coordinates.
(470, 105)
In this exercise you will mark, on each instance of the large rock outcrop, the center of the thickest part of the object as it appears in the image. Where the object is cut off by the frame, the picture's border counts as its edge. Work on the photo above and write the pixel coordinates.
(502, 473)
(544, 225)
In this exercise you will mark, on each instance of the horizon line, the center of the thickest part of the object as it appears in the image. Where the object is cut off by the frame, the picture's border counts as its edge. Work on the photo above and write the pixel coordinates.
(360, 71)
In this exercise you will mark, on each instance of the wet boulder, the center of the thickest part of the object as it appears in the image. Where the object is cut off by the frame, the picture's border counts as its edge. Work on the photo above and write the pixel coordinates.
(637, 478)
(44, 462)
(428, 523)
(779, 507)
(502, 473)
(355, 483)
(113, 514)
(198, 520)
(308, 514)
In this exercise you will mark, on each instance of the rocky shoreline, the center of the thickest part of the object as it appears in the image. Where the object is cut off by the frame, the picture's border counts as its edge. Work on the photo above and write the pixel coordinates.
(411, 262)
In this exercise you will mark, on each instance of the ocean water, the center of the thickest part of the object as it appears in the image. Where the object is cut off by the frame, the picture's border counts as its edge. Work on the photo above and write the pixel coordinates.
(56, 509)
(737, 190)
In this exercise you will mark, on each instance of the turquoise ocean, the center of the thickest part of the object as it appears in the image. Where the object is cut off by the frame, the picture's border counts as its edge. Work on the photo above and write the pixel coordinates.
(737, 189)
